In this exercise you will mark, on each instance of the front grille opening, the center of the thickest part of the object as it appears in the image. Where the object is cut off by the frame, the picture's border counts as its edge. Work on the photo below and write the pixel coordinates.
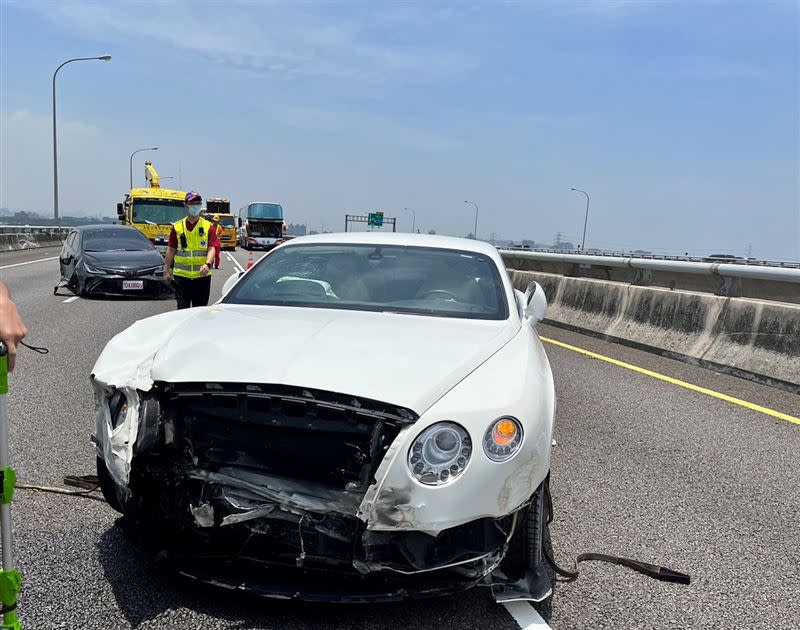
(323, 437)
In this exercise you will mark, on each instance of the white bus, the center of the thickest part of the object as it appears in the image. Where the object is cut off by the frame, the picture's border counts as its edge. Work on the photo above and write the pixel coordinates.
(260, 225)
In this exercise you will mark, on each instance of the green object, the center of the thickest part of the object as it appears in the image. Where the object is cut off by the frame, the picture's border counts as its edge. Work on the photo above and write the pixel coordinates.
(375, 219)
(3, 371)
(10, 583)
(8, 479)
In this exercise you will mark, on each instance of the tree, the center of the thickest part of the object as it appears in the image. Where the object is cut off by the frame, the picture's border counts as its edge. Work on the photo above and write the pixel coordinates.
(471, 235)
(431, 231)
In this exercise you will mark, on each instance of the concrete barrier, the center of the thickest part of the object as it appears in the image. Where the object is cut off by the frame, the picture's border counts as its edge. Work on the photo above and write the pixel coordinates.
(762, 280)
(757, 339)
(17, 237)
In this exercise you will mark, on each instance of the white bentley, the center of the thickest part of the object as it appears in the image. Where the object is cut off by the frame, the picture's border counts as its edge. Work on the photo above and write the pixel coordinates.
(361, 417)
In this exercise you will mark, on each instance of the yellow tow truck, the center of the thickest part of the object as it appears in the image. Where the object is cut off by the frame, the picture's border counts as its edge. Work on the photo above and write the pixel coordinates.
(218, 211)
(152, 210)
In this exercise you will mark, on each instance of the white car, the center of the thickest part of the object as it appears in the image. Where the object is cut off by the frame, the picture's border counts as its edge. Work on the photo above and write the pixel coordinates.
(361, 417)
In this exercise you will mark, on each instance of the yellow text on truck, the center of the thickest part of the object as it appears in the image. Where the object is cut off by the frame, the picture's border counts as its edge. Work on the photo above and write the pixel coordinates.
(152, 210)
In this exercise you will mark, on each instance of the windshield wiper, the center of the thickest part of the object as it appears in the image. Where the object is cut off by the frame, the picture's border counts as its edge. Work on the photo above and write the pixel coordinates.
(150, 222)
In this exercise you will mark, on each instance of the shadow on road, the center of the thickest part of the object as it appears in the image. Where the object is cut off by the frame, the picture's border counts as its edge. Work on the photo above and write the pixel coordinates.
(145, 590)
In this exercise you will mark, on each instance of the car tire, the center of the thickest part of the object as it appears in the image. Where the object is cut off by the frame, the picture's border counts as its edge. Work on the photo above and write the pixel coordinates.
(108, 486)
(528, 546)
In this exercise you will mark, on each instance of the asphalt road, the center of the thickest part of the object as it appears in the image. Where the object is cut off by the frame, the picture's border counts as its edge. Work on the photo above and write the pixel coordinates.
(642, 469)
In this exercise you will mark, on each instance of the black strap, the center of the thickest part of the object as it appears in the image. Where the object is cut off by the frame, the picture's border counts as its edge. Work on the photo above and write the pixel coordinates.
(39, 349)
(651, 570)
(7, 609)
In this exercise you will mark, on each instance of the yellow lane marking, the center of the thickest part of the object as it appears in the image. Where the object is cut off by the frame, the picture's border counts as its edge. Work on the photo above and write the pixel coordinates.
(679, 383)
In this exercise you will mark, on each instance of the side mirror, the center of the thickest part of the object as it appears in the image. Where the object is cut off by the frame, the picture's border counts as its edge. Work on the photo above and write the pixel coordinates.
(120, 211)
(230, 282)
(535, 302)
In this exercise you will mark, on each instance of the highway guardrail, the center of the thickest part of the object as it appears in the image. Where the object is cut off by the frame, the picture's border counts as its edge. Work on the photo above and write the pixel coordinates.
(768, 280)
(742, 319)
(14, 237)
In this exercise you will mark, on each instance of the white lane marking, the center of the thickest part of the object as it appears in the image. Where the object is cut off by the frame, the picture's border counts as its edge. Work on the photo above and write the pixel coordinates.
(234, 261)
(29, 262)
(526, 616)
(70, 299)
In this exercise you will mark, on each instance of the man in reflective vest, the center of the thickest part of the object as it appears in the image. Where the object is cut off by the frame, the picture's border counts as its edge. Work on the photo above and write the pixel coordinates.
(192, 245)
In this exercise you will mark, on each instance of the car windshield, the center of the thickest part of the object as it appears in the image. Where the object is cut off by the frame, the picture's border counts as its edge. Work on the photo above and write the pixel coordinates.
(158, 212)
(416, 280)
(227, 222)
(130, 240)
(265, 211)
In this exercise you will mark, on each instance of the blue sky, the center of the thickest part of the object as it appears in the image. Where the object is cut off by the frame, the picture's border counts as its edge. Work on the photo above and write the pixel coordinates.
(680, 119)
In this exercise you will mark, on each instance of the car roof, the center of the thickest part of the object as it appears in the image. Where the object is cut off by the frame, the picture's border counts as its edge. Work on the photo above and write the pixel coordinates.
(398, 239)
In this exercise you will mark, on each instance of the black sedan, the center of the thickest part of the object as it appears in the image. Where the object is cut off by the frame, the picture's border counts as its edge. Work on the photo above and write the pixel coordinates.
(111, 260)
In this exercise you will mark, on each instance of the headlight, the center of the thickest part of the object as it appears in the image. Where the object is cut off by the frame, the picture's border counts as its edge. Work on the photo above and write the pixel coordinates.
(503, 439)
(91, 269)
(440, 453)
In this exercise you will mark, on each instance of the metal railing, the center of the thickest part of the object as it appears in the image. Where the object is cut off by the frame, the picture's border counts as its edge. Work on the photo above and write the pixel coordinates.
(734, 260)
(724, 267)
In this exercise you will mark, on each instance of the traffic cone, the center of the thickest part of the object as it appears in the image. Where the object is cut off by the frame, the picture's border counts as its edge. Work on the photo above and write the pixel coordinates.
(250, 259)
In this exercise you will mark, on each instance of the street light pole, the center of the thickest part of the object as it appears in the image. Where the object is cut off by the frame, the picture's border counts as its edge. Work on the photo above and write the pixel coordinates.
(55, 137)
(130, 162)
(413, 219)
(475, 231)
(586, 218)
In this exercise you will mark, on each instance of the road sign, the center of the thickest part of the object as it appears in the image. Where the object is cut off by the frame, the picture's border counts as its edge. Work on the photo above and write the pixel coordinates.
(375, 219)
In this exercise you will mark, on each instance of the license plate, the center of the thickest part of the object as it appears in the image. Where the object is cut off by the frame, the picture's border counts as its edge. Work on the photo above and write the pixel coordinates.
(132, 285)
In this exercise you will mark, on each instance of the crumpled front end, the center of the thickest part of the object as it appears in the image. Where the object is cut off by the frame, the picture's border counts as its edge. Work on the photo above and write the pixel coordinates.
(253, 477)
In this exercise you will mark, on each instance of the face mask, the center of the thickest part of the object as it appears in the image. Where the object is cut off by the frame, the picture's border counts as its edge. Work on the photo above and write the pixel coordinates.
(194, 210)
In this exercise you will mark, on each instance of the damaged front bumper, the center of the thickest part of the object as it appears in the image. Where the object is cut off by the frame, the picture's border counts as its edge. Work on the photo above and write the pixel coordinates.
(235, 481)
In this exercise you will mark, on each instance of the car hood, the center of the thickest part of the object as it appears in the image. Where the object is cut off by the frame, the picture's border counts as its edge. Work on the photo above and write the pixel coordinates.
(405, 360)
(124, 259)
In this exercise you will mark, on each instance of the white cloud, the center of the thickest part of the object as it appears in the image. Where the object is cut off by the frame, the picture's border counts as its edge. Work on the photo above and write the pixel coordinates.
(291, 39)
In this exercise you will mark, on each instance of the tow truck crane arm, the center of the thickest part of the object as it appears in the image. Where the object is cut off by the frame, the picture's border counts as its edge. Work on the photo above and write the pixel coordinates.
(151, 175)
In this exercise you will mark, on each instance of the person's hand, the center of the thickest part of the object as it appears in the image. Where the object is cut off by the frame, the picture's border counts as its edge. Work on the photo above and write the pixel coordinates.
(12, 330)
(204, 270)
(166, 278)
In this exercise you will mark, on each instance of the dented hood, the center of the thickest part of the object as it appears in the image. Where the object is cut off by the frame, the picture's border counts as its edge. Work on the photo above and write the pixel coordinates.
(406, 360)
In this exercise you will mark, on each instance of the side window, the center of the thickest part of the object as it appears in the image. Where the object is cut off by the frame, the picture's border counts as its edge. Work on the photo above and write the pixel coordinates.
(71, 240)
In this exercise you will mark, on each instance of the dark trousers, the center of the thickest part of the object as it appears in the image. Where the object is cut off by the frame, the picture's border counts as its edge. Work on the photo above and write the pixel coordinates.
(192, 291)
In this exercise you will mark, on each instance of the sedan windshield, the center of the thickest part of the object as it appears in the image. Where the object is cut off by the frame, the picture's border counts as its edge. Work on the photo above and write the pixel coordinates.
(115, 240)
(416, 280)
(158, 212)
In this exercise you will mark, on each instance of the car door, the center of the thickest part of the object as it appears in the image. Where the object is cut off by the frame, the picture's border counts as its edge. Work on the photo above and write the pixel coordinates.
(68, 256)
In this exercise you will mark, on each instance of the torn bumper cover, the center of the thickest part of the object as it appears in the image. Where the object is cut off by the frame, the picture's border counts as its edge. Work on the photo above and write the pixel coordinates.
(236, 479)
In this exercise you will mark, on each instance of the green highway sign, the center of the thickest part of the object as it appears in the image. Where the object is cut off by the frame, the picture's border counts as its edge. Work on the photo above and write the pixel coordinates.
(375, 219)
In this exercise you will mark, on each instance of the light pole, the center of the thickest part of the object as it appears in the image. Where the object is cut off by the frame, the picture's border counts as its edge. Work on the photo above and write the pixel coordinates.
(55, 139)
(130, 162)
(475, 232)
(586, 218)
(413, 219)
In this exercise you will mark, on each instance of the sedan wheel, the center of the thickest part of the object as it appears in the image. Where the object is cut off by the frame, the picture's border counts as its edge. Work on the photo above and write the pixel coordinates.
(108, 487)
(526, 552)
